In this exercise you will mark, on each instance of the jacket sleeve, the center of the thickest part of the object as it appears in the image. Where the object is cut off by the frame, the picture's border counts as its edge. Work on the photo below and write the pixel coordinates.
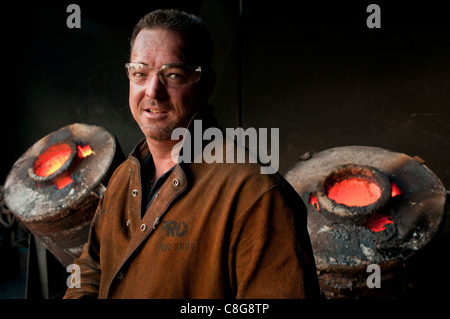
(272, 251)
(89, 263)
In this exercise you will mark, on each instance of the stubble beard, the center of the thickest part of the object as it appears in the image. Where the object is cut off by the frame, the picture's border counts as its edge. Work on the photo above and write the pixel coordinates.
(159, 133)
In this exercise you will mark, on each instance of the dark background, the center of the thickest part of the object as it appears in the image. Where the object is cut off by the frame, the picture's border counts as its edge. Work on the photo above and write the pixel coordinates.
(313, 70)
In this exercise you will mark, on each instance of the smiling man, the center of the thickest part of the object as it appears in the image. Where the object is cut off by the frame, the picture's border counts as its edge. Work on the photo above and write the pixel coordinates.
(189, 230)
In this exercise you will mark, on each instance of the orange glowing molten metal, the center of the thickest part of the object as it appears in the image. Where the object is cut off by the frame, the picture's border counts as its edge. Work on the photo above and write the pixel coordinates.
(54, 158)
(395, 190)
(314, 201)
(359, 191)
(84, 151)
(354, 191)
(379, 223)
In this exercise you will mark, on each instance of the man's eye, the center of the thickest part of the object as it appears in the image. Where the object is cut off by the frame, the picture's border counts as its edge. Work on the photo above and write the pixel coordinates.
(139, 74)
(175, 76)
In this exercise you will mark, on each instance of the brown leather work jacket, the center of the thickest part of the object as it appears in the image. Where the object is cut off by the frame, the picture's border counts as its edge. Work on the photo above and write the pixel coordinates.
(220, 230)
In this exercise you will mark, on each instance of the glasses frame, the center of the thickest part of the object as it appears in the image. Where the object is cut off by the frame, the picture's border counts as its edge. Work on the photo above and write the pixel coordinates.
(195, 69)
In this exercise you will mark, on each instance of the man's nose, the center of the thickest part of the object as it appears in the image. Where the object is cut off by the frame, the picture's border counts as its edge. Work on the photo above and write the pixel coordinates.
(155, 88)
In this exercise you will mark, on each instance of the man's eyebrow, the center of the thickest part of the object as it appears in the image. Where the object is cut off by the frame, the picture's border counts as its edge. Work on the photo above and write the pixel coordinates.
(137, 62)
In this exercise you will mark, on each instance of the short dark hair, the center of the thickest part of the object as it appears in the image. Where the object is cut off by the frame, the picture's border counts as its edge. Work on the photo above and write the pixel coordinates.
(197, 38)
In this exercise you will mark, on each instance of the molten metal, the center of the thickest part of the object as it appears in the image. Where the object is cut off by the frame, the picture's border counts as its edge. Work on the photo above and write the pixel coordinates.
(378, 223)
(63, 180)
(354, 191)
(52, 159)
(58, 157)
(84, 151)
(395, 190)
(314, 201)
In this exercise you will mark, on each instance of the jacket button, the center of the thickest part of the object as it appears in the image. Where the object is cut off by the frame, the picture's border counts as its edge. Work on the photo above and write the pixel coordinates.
(128, 223)
(176, 182)
(134, 192)
(143, 227)
(120, 275)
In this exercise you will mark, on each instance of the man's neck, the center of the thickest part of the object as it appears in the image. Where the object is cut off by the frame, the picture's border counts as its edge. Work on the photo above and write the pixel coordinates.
(162, 155)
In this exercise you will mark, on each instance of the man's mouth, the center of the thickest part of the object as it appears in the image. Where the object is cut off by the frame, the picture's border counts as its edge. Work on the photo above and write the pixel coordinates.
(155, 113)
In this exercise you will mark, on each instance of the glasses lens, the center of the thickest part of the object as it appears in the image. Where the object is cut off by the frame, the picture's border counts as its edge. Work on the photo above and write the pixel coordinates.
(138, 73)
(174, 75)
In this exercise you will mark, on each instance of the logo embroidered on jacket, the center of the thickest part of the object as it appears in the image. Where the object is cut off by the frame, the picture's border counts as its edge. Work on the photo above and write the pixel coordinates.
(173, 228)
(162, 247)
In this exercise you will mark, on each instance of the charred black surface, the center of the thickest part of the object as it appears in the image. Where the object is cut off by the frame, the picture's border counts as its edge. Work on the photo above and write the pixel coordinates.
(389, 234)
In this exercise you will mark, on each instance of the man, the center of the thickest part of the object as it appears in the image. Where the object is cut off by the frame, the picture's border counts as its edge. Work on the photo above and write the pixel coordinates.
(190, 229)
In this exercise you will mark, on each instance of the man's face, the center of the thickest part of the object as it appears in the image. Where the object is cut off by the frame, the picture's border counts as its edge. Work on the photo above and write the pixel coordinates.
(156, 108)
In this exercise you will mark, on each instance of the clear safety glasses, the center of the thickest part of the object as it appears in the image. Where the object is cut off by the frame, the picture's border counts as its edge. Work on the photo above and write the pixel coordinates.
(172, 75)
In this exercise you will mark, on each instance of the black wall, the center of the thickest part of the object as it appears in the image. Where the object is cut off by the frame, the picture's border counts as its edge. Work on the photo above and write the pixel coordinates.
(317, 72)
